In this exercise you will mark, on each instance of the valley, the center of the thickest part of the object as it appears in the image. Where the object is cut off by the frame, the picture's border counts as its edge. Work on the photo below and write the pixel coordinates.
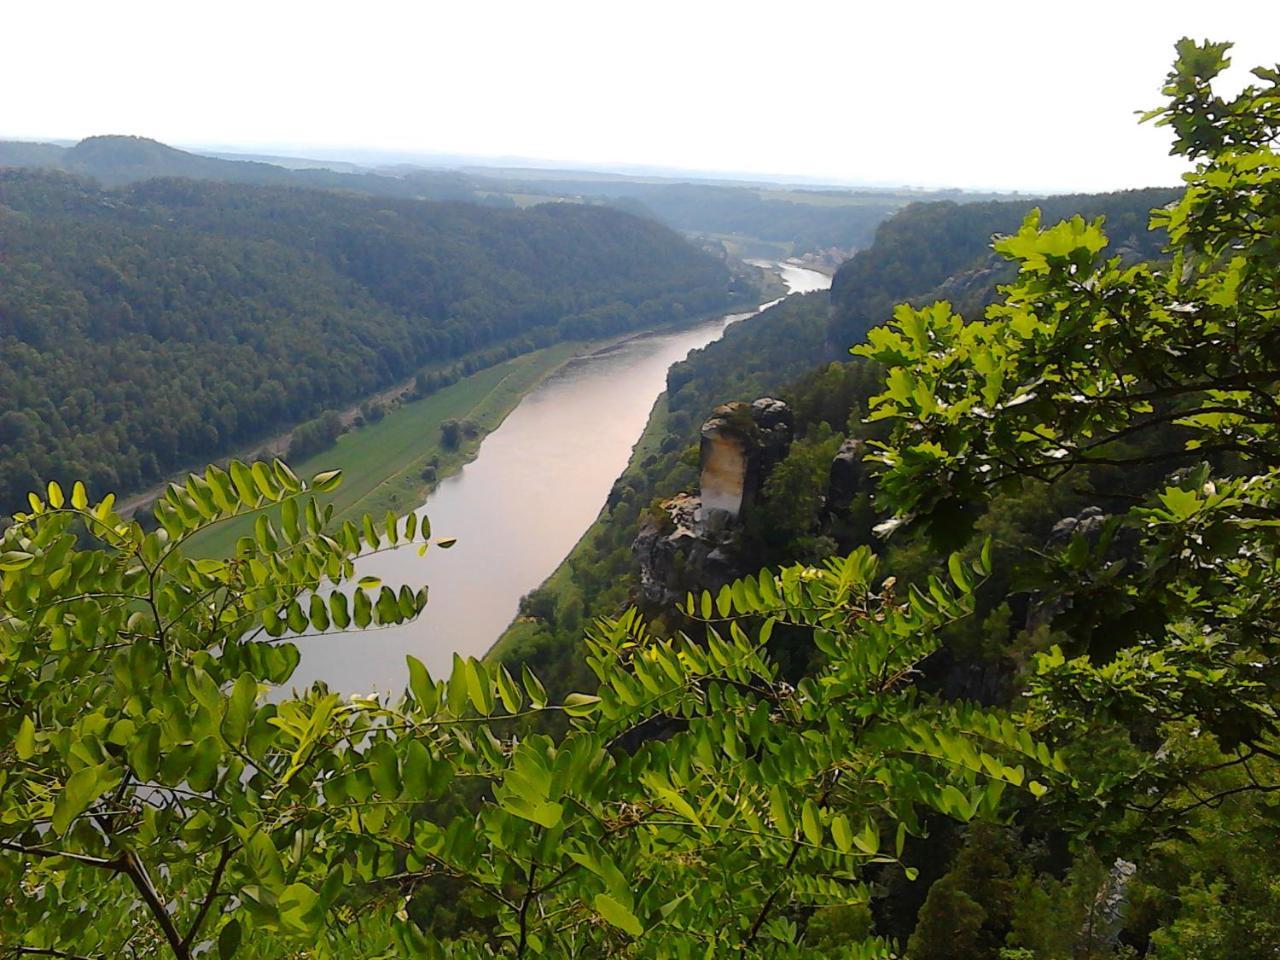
(536, 484)
(665, 565)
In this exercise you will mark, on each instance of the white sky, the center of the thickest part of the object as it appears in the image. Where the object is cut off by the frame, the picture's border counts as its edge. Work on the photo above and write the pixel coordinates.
(1033, 94)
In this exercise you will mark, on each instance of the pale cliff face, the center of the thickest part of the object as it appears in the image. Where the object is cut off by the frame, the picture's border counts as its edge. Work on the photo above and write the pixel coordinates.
(693, 545)
(724, 472)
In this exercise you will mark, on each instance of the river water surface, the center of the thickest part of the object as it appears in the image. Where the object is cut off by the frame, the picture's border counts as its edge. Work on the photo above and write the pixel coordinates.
(518, 509)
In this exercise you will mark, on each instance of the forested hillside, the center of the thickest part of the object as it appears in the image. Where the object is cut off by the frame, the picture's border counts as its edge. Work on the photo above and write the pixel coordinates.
(172, 320)
(783, 219)
(115, 161)
(943, 250)
(803, 220)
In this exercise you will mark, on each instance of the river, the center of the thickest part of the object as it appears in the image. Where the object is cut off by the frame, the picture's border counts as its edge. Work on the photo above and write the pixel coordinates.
(517, 510)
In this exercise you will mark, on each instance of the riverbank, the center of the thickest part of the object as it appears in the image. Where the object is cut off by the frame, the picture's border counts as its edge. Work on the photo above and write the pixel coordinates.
(559, 588)
(385, 463)
(595, 577)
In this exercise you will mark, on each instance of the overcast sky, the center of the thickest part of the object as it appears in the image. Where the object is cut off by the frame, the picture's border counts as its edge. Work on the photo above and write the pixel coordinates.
(1029, 94)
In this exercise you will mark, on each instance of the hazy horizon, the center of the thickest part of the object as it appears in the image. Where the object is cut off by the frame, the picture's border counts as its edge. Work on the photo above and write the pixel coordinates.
(372, 159)
(933, 96)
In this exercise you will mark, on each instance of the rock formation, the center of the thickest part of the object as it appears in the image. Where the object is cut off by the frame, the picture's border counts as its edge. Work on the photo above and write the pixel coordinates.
(690, 542)
(740, 443)
(848, 475)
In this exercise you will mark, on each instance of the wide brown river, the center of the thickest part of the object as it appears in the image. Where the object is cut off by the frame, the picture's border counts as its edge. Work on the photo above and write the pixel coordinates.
(517, 510)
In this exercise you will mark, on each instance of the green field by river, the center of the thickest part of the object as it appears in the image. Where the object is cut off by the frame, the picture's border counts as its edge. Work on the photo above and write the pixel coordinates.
(382, 462)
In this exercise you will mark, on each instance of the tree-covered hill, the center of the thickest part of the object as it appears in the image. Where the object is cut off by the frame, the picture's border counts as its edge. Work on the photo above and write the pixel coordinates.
(761, 218)
(930, 250)
(116, 161)
(781, 218)
(172, 320)
(845, 220)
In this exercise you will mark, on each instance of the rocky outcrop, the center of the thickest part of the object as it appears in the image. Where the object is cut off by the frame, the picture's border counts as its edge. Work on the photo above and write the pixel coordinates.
(1088, 524)
(740, 443)
(689, 541)
(675, 552)
(848, 476)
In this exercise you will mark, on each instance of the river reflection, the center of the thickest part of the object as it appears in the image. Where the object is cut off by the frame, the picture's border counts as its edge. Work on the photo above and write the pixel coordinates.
(538, 483)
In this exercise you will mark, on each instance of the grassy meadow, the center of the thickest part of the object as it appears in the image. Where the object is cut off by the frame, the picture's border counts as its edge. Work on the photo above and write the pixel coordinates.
(383, 461)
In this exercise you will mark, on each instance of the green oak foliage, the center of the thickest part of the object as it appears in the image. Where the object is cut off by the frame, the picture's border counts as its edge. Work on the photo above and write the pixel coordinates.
(154, 802)
(1086, 362)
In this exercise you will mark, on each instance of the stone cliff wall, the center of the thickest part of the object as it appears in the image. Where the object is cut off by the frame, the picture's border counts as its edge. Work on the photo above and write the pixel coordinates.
(691, 542)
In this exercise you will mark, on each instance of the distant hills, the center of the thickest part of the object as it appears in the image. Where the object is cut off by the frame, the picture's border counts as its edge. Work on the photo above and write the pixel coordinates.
(739, 218)
(116, 161)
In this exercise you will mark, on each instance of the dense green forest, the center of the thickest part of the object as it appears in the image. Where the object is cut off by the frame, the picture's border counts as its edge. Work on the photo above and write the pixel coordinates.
(169, 322)
(1010, 695)
(933, 251)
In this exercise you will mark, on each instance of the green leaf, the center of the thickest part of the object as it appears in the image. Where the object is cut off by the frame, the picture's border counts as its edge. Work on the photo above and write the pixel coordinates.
(618, 915)
(82, 788)
(363, 612)
(841, 833)
(15, 560)
(263, 480)
(545, 813)
(512, 698)
(779, 811)
(326, 481)
(243, 480)
(235, 721)
(479, 686)
(338, 611)
(25, 743)
(868, 841)
(144, 753)
(457, 687)
(421, 684)
(581, 704)
(384, 767)
(295, 904)
(229, 939)
(533, 686)
(416, 771)
(661, 786)
(811, 822)
(203, 773)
